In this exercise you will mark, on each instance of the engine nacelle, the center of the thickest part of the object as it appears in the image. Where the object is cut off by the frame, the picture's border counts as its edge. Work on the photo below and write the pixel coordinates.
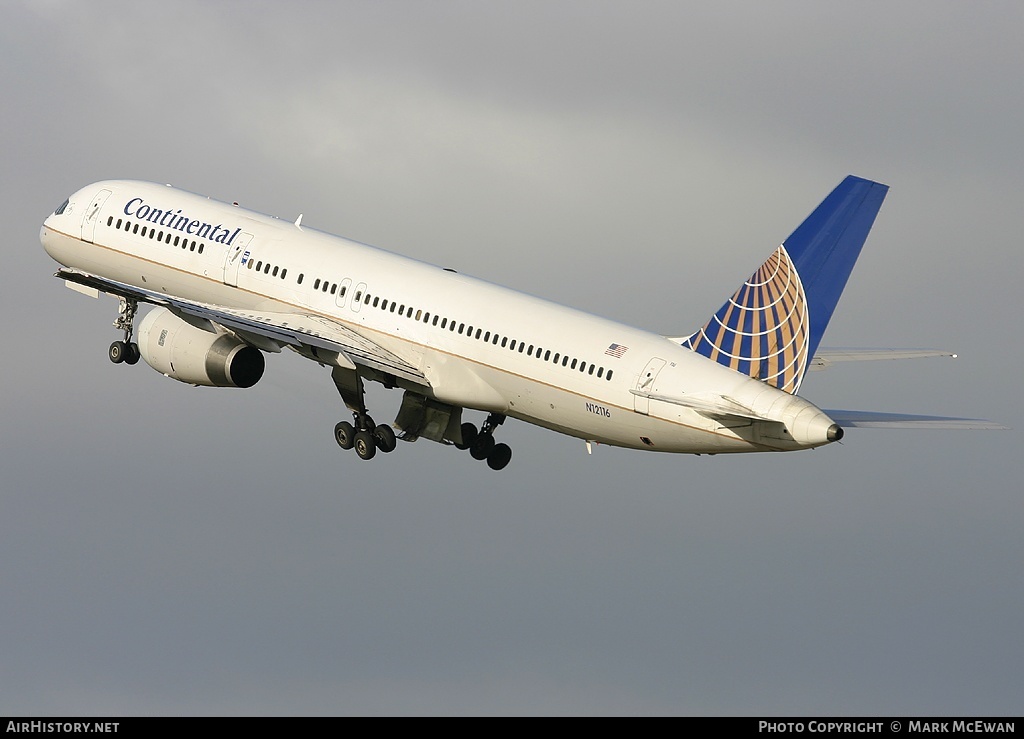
(181, 351)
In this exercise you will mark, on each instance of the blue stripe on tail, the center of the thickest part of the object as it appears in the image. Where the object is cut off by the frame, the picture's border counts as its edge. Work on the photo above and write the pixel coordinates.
(771, 327)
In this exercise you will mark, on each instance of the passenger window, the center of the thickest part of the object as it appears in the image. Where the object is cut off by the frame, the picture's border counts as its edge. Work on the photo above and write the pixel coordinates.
(275, 271)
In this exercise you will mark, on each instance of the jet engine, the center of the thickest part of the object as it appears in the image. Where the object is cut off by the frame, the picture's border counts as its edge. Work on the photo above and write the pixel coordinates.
(194, 355)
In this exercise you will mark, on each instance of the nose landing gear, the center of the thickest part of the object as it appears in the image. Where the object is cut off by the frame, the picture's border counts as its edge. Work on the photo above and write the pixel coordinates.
(126, 351)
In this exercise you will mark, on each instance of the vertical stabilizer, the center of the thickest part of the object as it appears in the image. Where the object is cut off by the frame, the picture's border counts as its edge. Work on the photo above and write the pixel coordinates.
(770, 328)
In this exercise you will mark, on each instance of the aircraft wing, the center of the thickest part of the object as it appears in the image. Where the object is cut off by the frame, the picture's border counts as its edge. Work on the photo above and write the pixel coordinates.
(872, 420)
(826, 357)
(267, 330)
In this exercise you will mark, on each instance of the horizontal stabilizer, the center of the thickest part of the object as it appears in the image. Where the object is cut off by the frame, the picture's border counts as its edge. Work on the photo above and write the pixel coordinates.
(720, 407)
(872, 420)
(826, 357)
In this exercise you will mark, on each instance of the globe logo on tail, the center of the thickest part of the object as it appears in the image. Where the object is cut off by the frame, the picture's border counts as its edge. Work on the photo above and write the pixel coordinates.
(763, 330)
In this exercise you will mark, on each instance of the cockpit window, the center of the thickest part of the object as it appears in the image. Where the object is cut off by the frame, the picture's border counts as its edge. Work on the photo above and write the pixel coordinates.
(62, 207)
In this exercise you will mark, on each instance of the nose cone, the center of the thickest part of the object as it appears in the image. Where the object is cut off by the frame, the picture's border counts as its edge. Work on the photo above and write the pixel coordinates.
(46, 237)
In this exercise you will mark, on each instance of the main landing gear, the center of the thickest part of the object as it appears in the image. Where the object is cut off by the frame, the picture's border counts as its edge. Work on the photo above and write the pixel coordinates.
(126, 351)
(481, 444)
(365, 436)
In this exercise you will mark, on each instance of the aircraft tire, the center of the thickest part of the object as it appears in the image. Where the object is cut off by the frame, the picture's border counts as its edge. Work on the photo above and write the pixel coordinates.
(384, 438)
(344, 434)
(364, 445)
(469, 434)
(117, 352)
(132, 355)
(481, 446)
(499, 457)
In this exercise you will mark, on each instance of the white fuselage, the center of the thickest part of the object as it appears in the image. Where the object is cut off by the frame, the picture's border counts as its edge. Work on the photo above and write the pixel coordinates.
(479, 345)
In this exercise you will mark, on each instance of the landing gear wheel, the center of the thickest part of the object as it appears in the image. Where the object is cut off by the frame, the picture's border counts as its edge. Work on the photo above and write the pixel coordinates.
(117, 352)
(469, 434)
(132, 355)
(499, 457)
(365, 447)
(481, 446)
(344, 434)
(384, 438)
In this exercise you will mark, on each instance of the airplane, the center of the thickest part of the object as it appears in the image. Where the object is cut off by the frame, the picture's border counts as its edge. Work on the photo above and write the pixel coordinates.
(230, 285)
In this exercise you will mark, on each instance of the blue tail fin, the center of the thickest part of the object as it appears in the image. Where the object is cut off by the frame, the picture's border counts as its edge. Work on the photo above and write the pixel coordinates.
(771, 327)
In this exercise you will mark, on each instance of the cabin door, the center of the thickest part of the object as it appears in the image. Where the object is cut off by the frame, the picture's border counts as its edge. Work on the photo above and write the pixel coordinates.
(92, 215)
(236, 256)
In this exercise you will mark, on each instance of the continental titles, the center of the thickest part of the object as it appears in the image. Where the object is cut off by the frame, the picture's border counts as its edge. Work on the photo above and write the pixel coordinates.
(138, 208)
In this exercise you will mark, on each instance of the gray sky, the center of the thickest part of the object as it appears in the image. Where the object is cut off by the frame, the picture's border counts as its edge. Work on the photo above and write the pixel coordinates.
(173, 550)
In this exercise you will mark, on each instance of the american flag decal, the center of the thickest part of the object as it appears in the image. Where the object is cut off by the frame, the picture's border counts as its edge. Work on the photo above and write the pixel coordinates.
(616, 350)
